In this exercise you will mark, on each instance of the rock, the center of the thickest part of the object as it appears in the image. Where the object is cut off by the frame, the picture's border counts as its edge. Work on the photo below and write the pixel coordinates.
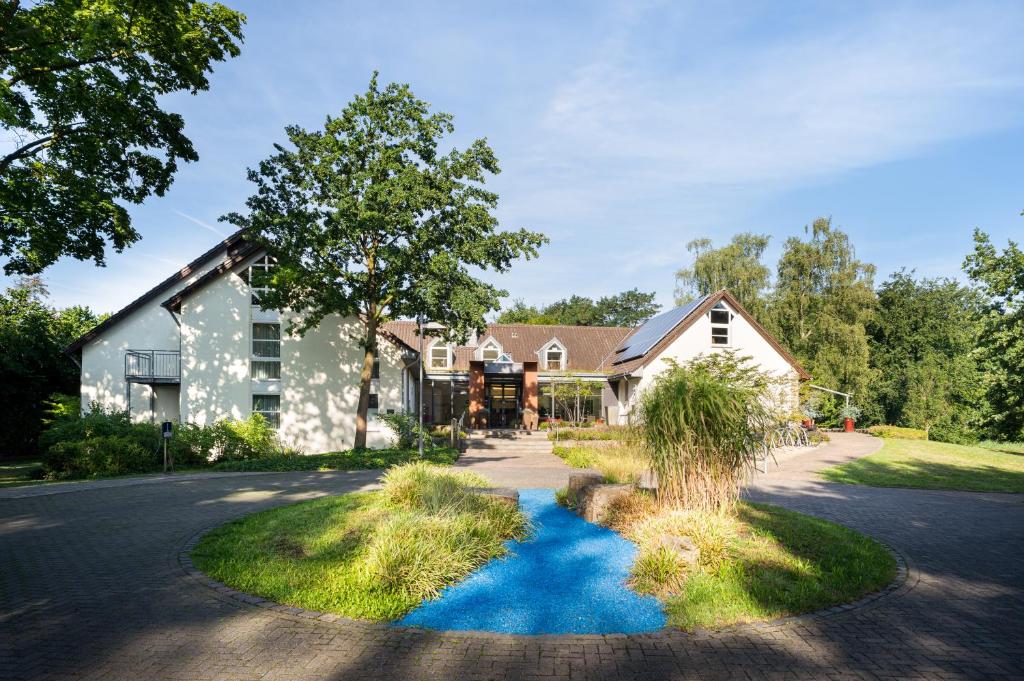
(594, 500)
(579, 481)
(681, 546)
(507, 494)
(648, 480)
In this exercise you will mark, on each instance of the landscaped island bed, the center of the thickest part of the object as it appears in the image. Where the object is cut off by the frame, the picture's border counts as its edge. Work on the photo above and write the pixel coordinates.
(760, 564)
(371, 555)
(986, 467)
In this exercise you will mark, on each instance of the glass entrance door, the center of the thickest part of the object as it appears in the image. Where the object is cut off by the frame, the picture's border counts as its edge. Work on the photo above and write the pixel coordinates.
(503, 405)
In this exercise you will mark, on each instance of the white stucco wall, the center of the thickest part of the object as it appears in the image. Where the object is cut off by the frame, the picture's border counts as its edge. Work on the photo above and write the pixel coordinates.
(150, 327)
(319, 384)
(745, 340)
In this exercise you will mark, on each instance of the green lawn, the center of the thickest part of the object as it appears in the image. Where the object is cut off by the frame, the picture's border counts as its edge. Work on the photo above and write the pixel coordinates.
(371, 555)
(985, 467)
(341, 461)
(19, 472)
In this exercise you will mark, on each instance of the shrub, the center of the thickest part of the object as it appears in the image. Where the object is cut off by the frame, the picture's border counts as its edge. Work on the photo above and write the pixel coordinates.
(898, 432)
(591, 433)
(100, 456)
(701, 431)
(406, 428)
(224, 440)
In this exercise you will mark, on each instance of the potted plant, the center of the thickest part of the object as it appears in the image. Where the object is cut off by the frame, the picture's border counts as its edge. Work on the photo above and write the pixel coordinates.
(811, 410)
(849, 414)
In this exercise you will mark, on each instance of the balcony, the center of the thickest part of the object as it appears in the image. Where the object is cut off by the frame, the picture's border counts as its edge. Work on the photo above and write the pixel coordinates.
(152, 366)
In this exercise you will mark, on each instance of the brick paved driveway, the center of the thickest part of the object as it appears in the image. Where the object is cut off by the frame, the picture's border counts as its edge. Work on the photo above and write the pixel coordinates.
(91, 588)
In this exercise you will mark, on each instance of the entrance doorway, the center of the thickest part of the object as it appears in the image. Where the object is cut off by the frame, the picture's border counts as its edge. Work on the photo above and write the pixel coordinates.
(502, 403)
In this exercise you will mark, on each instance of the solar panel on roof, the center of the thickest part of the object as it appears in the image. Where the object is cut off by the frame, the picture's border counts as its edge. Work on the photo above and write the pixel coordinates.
(653, 330)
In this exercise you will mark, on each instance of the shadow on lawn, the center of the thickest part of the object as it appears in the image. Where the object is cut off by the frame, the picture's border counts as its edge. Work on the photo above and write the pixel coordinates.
(927, 475)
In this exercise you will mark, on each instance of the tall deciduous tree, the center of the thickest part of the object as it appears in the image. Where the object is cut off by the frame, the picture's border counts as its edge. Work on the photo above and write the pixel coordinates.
(736, 266)
(80, 84)
(823, 299)
(629, 308)
(919, 325)
(32, 364)
(1000, 277)
(367, 217)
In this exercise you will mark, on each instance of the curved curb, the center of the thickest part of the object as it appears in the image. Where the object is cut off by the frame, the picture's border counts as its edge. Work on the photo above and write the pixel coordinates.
(906, 580)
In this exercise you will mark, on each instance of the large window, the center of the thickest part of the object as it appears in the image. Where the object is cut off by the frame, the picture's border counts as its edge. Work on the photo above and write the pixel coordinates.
(266, 351)
(259, 277)
(270, 407)
(439, 357)
(721, 323)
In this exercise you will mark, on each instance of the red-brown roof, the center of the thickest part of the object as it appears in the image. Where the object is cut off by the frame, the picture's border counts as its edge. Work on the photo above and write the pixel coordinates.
(587, 347)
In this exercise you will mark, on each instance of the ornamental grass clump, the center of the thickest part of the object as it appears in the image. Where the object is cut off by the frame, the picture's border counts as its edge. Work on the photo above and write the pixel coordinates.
(700, 432)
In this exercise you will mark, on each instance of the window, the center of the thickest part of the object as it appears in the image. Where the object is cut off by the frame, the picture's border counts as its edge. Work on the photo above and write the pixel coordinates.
(721, 320)
(266, 352)
(553, 359)
(270, 407)
(375, 372)
(490, 352)
(439, 357)
(374, 402)
(259, 276)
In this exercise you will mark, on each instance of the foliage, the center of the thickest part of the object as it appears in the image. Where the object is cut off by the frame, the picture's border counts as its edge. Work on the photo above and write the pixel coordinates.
(621, 463)
(922, 338)
(100, 442)
(850, 411)
(224, 440)
(406, 428)
(935, 465)
(571, 396)
(81, 88)
(700, 433)
(762, 563)
(736, 267)
(33, 366)
(372, 555)
(588, 433)
(822, 302)
(349, 460)
(629, 308)
(1000, 277)
(898, 432)
(366, 217)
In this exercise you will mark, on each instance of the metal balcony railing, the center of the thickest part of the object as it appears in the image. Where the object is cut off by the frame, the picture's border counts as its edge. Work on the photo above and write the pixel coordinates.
(152, 366)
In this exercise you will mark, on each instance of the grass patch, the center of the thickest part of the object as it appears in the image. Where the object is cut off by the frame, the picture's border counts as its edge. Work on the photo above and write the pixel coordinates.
(987, 467)
(371, 555)
(20, 472)
(617, 463)
(591, 433)
(762, 563)
(341, 461)
(898, 432)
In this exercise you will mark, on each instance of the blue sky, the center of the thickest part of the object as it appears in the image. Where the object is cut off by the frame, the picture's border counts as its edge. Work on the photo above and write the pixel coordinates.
(625, 130)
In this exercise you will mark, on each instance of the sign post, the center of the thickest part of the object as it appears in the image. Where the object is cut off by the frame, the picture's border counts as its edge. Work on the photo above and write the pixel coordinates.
(167, 429)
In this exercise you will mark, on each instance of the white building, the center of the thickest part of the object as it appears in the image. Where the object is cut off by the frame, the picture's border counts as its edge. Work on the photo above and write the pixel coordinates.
(197, 348)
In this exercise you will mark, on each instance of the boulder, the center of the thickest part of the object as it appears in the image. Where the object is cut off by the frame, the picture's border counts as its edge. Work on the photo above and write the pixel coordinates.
(593, 502)
(506, 494)
(684, 547)
(578, 481)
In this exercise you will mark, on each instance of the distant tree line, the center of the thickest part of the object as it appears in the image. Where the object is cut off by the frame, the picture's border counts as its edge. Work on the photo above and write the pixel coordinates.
(930, 353)
(628, 308)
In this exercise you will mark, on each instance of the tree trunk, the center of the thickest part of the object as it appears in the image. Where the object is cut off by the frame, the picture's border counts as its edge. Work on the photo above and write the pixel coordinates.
(364, 381)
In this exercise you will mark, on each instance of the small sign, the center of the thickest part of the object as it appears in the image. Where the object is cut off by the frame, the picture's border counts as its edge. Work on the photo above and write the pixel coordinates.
(167, 429)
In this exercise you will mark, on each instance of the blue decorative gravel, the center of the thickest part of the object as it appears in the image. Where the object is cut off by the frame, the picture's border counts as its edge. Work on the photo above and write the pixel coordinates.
(569, 577)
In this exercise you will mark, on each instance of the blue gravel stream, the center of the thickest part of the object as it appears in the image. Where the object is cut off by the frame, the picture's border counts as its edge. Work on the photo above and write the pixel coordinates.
(569, 577)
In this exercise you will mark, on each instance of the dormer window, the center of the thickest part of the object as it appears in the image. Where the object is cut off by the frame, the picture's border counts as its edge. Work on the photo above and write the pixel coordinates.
(490, 351)
(721, 325)
(439, 357)
(552, 357)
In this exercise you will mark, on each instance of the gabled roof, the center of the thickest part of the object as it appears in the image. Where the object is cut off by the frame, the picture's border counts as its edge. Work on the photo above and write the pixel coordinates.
(229, 244)
(245, 250)
(626, 358)
(586, 346)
